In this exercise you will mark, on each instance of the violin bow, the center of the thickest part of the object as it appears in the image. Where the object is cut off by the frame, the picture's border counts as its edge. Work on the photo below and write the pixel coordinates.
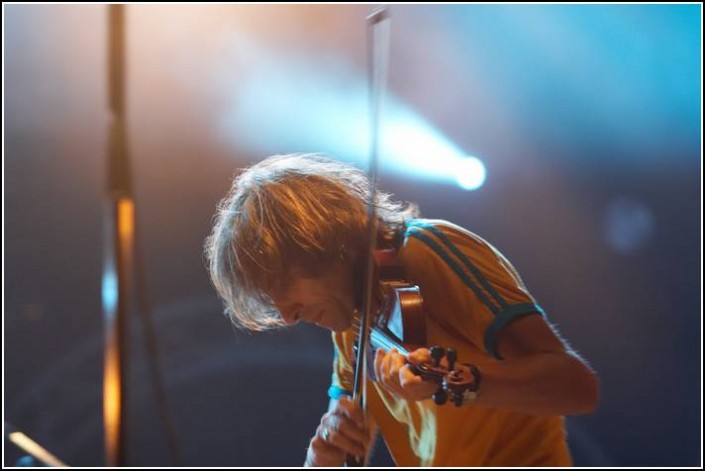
(378, 35)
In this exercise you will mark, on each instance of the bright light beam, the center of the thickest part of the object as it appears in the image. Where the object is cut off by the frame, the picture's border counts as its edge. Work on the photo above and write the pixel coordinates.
(284, 103)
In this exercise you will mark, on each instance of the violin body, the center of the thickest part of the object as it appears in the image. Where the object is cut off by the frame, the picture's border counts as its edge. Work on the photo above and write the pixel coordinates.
(400, 324)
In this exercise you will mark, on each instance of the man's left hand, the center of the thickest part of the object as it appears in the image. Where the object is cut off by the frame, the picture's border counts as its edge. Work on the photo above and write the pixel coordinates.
(394, 372)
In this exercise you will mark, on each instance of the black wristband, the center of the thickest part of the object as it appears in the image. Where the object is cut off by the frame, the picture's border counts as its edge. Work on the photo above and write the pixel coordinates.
(477, 378)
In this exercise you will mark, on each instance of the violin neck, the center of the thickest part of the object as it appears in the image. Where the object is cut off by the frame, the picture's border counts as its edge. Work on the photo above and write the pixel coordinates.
(379, 339)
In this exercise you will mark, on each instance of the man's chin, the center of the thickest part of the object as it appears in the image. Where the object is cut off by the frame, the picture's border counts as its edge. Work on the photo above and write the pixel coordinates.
(339, 327)
(336, 328)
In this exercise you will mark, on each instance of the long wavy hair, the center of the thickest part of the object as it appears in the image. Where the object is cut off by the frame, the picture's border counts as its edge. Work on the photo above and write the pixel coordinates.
(293, 214)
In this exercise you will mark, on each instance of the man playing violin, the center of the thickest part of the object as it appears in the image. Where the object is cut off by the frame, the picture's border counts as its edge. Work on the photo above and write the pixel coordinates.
(289, 245)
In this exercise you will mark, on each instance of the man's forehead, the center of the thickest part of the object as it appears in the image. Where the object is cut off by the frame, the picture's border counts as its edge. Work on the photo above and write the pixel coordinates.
(293, 287)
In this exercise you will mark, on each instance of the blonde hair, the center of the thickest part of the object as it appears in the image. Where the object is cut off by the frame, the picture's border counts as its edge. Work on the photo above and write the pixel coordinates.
(289, 214)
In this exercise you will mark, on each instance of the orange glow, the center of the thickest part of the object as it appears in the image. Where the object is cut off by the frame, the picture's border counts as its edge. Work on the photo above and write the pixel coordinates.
(126, 219)
(112, 398)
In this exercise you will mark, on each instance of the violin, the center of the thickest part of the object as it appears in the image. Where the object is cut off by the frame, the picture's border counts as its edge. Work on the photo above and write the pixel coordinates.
(399, 323)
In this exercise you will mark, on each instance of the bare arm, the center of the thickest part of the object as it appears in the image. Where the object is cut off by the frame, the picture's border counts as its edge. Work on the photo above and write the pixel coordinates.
(540, 375)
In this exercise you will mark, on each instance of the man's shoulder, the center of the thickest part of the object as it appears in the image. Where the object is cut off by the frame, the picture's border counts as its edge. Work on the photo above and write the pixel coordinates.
(435, 232)
(443, 244)
(434, 223)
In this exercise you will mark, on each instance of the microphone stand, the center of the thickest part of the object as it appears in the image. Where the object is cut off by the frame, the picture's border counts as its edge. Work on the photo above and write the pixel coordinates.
(118, 267)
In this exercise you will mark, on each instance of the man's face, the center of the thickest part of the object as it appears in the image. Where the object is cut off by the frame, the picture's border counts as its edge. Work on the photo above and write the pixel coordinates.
(326, 300)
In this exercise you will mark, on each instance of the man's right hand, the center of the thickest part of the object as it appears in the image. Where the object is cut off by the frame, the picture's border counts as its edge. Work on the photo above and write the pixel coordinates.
(341, 432)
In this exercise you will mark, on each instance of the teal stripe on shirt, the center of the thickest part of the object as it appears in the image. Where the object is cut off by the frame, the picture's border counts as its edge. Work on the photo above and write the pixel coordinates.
(455, 267)
(504, 314)
(464, 259)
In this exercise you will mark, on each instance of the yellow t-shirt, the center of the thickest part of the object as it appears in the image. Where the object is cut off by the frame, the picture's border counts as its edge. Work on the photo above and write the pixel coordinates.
(470, 291)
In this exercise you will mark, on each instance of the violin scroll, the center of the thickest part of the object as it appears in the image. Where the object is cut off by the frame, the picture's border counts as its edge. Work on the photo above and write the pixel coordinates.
(460, 382)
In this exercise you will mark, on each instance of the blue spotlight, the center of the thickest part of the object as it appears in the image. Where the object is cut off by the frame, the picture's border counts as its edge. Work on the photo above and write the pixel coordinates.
(414, 147)
(471, 173)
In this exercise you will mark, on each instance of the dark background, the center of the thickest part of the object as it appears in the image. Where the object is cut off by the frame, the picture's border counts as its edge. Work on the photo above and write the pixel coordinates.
(586, 117)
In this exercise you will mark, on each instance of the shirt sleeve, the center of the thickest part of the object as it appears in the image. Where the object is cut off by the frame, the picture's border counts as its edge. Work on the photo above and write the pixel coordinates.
(342, 378)
(466, 283)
